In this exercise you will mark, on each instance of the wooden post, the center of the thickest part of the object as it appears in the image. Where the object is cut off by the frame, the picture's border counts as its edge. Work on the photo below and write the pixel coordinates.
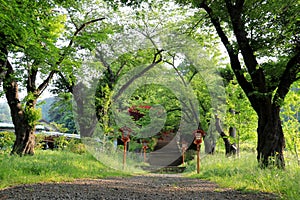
(124, 155)
(183, 149)
(145, 158)
(183, 158)
(198, 135)
(125, 138)
(198, 158)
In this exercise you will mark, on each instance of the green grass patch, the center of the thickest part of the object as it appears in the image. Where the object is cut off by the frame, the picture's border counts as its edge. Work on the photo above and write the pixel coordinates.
(51, 166)
(244, 174)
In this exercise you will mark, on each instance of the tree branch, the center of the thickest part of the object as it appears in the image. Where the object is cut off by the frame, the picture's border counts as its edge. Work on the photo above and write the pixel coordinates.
(46, 82)
(11, 89)
(288, 77)
(69, 86)
(256, 73)
(234, 60)
(193, 110)
(136, 76)
(32, 73)
(75, 34)
(106, 65)
(120, 68)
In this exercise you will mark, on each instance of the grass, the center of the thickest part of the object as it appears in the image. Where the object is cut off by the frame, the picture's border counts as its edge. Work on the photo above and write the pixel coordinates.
(237, 173)
(51, 166)
(244, 174)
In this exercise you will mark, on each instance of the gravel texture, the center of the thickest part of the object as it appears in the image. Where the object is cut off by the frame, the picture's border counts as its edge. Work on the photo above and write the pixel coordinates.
(151, 186)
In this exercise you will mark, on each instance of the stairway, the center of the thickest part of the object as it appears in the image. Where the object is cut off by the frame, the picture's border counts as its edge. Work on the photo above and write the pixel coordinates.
(166, 153)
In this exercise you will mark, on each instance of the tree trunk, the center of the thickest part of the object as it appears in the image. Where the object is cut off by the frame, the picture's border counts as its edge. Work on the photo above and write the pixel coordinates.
(210, 145)
(24, 130)
(210, 142)
(271, 140)
(3, 58)
(25, 140)
(85, 110)
(230, 149)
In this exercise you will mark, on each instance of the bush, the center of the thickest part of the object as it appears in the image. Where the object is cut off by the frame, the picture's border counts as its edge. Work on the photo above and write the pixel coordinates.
(67, 144)
(39, 141)
(61, 142)
(75, 146)
(6, 141)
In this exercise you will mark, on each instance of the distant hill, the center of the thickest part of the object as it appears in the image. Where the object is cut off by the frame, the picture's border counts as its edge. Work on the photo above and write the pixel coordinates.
(44, 104)
(4, 112)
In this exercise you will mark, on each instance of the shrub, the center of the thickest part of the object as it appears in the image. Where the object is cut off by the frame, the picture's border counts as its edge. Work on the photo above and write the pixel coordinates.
(76, 146)
(39, 144)
(61, 142)
(6, 141)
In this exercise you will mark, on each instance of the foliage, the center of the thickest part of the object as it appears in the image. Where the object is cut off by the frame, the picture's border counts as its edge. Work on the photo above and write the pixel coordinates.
(6, 141)
(41, 39)
(155, 95)
(39, 144)
(32, 115)
(45, 104)
(61, 112)
(51, 166)
(77, 147)
(244, 174)
(61, 142)
(241, 116)
(259, 37)
(70, 144)
(59, 127)
(291, 118)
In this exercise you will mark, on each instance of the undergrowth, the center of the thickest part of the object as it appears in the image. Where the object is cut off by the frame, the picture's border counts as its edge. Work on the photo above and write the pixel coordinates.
(51, 166)
(244, 174)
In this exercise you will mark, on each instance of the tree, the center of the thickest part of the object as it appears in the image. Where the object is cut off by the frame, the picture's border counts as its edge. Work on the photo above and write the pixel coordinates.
(37, 42)
(262, 42)
(148, 26)
(60, 112)
(291, 119)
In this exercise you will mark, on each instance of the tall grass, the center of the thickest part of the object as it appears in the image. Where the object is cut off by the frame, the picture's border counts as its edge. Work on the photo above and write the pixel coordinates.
(244, 174)
(51, 166)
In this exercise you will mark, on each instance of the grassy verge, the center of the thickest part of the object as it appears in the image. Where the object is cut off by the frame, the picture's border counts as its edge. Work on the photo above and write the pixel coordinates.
(244, 174)
(51, 166)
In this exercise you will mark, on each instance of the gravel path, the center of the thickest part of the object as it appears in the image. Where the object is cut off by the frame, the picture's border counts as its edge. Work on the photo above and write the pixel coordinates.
(151, 186)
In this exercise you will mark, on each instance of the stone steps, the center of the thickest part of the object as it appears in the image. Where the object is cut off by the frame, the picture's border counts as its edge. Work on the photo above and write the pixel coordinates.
(166, 153)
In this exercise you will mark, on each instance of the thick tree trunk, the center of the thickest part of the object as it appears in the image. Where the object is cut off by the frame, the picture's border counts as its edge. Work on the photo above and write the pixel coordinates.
(271, 140)
(25, 133)
(25, 140)
(85, 110)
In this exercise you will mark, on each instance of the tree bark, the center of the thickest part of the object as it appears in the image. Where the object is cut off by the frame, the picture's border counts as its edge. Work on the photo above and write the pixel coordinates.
(271, 140)
(3, 57)
(267, 106)
(25, 139)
